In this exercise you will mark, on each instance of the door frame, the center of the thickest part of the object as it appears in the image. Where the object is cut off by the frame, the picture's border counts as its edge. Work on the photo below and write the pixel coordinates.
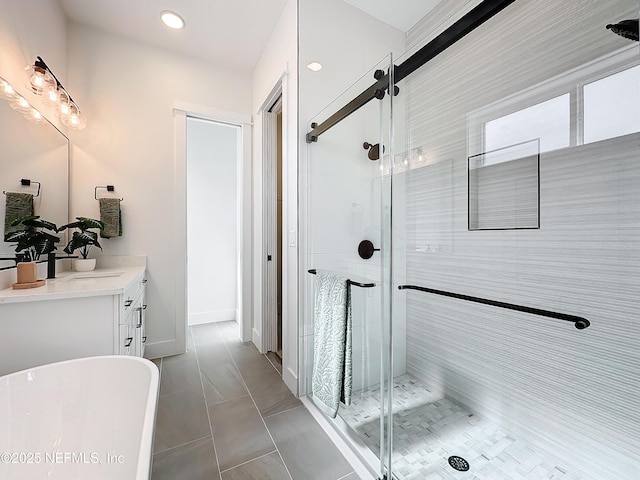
(244, 211)
(271, 107)
(290, 304)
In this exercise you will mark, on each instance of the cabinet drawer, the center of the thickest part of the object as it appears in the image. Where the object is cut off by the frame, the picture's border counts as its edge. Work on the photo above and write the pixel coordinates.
(132, 294)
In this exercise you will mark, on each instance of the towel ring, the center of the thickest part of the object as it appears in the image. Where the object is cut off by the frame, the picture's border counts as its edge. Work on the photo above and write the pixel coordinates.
(25, 182)
(110, 188)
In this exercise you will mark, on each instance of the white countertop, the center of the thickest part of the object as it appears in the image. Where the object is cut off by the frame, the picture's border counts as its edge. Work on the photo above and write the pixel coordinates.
(70, 284)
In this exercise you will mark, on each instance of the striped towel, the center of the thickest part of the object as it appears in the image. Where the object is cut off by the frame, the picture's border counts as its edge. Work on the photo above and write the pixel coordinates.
(111, 215)
(18, 205)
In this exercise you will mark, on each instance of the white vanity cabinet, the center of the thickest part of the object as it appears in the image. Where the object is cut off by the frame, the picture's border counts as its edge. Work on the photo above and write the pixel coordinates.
(75, 315)
(131, 321)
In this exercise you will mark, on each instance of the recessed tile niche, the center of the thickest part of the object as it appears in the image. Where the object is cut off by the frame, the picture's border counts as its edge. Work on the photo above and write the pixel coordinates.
(504, 188)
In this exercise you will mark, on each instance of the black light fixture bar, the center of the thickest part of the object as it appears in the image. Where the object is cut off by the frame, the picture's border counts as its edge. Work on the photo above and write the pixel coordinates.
(40, 63)
(579, 322)
(469, 22)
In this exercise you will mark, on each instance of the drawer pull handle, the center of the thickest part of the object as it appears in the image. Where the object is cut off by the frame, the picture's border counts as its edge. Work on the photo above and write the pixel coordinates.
(128, 340)
(128, 303)
(144, 339)
(144, 280)
(144, 307)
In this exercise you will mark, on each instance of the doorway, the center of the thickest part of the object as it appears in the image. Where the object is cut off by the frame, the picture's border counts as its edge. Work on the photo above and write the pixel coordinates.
(273, 226)
(213, 160)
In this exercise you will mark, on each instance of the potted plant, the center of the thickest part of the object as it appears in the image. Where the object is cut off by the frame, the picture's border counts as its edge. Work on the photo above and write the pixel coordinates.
(83, 241)
(32, 241)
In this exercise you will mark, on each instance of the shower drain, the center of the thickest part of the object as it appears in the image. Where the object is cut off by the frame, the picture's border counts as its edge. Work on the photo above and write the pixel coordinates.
(459, 463)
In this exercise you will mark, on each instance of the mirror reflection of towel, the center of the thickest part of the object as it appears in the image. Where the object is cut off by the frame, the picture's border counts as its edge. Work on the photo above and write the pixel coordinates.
(18, 205)
(111, 216)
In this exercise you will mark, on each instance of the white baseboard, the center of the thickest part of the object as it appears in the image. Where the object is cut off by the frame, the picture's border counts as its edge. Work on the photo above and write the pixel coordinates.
(163, 349)
(257, 340)
(290, 379)
(212, 316)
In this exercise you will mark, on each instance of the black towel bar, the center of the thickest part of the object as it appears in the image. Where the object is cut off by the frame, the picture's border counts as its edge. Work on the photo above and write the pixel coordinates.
(351, 282)
(579, 322)
(110, 188)
(25, 182)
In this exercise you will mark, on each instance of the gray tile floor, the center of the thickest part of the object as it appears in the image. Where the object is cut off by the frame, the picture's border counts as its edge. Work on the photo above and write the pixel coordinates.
(224, 413)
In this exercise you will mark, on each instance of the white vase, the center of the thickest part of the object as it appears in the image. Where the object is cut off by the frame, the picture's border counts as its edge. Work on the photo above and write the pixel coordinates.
(84, 264)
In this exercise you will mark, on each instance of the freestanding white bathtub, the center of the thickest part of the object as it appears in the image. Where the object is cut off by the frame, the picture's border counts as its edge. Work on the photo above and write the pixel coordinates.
(90, 418)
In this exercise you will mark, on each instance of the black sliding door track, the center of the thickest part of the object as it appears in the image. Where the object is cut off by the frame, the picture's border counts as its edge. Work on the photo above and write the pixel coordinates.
(469, 22)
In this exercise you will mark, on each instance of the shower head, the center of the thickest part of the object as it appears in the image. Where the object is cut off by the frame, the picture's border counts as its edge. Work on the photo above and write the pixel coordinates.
(625, 28)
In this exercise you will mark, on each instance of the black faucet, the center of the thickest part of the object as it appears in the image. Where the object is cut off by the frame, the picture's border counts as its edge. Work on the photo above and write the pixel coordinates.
(51, 265)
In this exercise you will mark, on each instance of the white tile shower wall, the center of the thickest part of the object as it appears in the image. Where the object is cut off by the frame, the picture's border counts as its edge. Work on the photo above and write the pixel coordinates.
(566, 390)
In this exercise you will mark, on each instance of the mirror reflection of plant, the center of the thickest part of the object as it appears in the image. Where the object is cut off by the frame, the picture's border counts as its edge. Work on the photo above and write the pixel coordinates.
(33, 240)
(85, 238)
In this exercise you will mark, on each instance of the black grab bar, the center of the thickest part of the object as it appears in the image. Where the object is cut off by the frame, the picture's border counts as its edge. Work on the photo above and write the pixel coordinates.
(349, 281)
(579, 322)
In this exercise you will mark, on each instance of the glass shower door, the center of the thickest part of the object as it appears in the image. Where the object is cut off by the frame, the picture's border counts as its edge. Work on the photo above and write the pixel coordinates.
(348, 197)
(517, 249)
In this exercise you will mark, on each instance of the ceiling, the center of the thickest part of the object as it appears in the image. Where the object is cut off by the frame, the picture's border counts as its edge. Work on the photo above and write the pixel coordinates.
(401, 14)
(228, 32)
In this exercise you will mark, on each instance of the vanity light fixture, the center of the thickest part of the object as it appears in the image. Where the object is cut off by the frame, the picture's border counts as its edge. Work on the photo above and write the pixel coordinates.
(172, 19)
(42, 81)
(314, 66)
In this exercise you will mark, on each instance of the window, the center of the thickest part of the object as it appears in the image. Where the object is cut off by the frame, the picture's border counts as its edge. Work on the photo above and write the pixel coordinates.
(548, 121)
(612, 106)
(595, 102)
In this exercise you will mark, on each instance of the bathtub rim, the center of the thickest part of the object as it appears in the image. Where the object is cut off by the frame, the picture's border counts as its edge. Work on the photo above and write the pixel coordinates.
(145, 451)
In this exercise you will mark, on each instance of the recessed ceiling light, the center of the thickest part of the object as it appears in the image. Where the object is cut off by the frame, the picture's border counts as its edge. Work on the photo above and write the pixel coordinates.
(314, 66)
(172, 19)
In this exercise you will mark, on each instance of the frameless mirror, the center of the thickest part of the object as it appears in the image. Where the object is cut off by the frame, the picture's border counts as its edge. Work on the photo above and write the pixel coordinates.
(38, 152)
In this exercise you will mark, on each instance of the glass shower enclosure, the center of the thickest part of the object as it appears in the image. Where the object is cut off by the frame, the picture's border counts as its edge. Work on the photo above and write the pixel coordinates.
(499, 336)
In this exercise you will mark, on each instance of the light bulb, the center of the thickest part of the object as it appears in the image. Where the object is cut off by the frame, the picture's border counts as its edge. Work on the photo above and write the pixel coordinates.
(51, 96)
(35, 116)
(39, 79)
(64, 104)
(74, 119)
(6, 90)
(19, 104)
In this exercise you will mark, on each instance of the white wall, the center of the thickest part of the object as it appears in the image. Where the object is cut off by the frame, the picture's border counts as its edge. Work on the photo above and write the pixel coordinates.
(128, 91)
(348, 43)
(212, 161)
(279, 61)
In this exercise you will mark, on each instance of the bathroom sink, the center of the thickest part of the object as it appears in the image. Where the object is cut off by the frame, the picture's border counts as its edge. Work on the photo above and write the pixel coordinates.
(89, 275)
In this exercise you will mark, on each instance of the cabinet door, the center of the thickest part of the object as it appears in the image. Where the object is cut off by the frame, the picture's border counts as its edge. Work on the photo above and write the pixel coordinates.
(139, 330)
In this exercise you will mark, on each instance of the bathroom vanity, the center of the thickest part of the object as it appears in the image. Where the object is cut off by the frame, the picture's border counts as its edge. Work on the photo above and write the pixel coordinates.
(78, 314)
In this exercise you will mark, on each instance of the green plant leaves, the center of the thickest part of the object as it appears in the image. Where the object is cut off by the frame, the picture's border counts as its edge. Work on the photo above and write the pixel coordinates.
(84, 223)
(30, 240)
(82, 240)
